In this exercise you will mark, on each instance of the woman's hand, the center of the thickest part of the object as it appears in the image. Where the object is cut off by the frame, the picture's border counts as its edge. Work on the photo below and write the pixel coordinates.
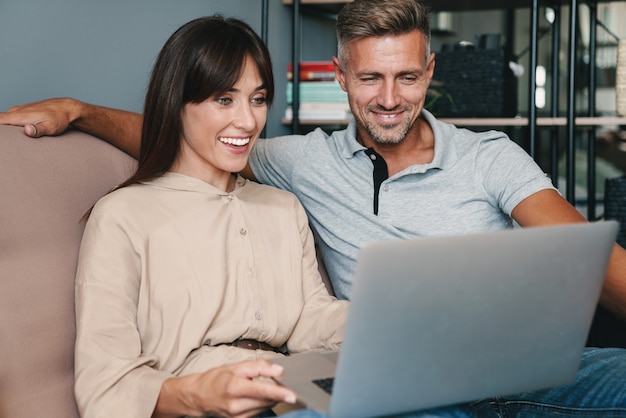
(227, 391)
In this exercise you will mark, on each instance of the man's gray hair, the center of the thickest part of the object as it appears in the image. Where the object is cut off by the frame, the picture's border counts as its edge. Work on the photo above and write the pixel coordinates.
(373, 18)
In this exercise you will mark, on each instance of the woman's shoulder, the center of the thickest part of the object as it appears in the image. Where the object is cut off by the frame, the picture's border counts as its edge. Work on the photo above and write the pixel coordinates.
(127, 199)
(127, 193)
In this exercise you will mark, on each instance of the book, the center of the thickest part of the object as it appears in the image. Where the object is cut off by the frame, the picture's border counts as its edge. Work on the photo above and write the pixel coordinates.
(318, 91)
(325, 105)
(335, 114)
(313, 71)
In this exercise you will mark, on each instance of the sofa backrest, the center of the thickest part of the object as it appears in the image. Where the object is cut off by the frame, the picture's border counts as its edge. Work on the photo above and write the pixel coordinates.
(46, 185)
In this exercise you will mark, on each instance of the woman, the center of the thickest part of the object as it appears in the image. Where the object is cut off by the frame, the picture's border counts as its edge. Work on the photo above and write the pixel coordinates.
(187, 267)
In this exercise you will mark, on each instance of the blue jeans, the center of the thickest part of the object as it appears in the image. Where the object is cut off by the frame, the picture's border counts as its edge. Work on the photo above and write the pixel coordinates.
(599, 391)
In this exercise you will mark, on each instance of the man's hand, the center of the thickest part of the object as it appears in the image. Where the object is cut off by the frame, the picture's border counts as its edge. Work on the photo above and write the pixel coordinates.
(54, 116)
(228, 391)
(47, 117)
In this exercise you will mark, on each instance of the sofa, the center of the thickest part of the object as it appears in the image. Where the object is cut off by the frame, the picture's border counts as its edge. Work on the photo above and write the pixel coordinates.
(46, 185)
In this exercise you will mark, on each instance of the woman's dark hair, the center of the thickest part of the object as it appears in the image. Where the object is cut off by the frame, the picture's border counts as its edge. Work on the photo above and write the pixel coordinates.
(202, 58)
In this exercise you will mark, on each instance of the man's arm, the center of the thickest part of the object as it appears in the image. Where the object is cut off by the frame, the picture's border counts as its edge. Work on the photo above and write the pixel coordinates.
(547, 207)
(54, 116)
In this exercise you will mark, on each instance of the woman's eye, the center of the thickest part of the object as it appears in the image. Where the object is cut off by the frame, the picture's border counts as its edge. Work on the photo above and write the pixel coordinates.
(224, 101)
(259, 100)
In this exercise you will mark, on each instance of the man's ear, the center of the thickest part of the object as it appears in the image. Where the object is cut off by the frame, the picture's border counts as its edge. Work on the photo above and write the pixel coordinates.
(339, 74)
(430, 70)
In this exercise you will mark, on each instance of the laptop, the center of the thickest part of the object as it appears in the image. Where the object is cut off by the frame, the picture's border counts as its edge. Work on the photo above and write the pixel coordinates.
(444, 320)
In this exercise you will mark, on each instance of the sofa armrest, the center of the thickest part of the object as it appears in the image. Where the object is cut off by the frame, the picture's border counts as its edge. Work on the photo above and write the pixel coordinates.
(46, 186)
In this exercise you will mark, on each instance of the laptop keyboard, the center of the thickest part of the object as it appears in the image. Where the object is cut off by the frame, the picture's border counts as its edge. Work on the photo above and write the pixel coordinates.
(325, 384)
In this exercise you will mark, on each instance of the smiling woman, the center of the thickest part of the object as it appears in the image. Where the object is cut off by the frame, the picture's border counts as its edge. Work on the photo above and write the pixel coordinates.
(219, 132)
(197, 82)
(182, 274)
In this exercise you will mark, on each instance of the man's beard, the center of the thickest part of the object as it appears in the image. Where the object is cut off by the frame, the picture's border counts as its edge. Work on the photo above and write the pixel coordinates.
(378, 132)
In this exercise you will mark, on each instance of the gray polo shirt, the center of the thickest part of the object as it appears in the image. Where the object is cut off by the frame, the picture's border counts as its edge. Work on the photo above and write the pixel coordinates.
(473, 183)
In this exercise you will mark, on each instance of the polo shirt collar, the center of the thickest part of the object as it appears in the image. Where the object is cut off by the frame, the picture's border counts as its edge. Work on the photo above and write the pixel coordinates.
(445, 149)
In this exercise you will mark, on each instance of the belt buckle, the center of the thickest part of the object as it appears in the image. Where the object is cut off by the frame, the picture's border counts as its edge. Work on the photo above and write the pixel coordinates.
(247, 344)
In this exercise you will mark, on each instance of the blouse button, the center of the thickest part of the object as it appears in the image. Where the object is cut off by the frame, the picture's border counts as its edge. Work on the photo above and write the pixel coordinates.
(243, 231)
(386, 188)
(258, 315)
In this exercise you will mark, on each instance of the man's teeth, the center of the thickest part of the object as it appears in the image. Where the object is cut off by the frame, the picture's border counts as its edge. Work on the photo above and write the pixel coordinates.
(239, 142)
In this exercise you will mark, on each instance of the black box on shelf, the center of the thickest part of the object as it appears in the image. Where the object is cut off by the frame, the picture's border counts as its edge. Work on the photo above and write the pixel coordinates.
(472, 82)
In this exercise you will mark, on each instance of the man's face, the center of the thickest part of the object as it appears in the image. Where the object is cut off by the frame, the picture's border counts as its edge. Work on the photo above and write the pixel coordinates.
(386, 79)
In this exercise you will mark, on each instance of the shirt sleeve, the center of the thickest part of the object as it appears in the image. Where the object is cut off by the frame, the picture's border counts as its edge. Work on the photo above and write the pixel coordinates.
(509, 174)
(113, 377)
(321, 323)
(273, 160)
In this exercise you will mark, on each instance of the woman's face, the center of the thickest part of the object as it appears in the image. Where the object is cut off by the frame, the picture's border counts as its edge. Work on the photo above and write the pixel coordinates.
(218, 133)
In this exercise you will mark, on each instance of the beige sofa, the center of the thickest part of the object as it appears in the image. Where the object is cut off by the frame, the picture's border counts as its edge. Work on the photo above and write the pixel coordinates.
(46, 185)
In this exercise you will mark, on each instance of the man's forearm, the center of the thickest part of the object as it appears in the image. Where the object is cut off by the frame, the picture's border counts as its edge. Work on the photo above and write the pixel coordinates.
(117, 127)
(53, 116)
(613, 295)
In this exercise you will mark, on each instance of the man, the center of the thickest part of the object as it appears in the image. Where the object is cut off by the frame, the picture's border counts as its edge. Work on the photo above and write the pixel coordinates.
(398, 172)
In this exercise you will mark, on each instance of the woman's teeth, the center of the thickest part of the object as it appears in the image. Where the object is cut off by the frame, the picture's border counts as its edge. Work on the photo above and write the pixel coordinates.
(238, 142)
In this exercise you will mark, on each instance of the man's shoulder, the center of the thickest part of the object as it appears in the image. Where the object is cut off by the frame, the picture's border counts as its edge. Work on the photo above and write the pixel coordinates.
(461, 133)
(297, 150)
(471, 138)
(292, 140)
(269, 193)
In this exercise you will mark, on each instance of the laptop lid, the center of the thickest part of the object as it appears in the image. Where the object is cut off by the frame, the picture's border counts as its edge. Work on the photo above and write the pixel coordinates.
(444, 320)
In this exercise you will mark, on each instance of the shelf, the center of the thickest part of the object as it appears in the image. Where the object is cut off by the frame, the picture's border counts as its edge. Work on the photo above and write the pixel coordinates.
(316, 122)
(439, 5)
(518, 121)
(541, 121)
(334, 6)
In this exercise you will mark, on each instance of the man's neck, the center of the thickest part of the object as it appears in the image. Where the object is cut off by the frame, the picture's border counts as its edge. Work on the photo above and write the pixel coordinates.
(417, 147)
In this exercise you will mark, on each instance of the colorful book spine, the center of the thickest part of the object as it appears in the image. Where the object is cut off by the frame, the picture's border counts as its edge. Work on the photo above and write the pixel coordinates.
(318, 91)
(313, 71)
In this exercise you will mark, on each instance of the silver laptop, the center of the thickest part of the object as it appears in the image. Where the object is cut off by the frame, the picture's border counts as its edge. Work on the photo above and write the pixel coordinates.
(444, 320)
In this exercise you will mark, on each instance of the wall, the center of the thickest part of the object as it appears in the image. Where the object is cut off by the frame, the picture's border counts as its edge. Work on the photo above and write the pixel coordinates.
(102, 51)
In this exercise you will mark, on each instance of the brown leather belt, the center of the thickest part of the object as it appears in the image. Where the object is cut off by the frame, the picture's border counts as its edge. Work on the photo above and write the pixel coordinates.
(254, 345)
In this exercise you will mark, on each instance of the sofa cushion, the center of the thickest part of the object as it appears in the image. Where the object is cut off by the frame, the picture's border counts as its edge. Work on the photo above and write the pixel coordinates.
(46, 185)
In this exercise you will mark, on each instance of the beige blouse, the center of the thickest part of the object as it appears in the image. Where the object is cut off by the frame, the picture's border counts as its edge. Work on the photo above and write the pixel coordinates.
(171, 269)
